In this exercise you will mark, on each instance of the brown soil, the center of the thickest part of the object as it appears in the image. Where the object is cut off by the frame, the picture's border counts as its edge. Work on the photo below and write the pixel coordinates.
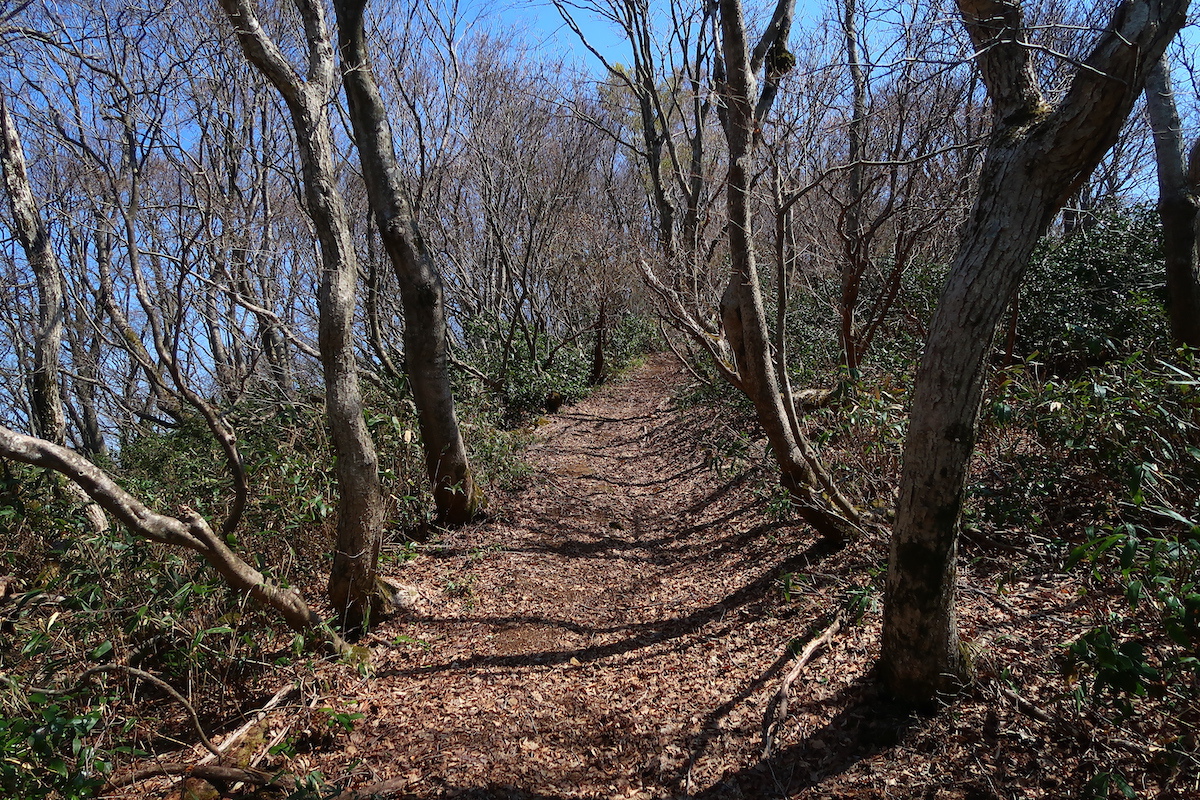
(621, 627)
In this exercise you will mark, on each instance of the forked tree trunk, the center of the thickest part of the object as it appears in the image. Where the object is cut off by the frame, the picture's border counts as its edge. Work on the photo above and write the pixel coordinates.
(360, 500)
(742, 312)
(426, 355)
(1038, 156)
(1177, 187)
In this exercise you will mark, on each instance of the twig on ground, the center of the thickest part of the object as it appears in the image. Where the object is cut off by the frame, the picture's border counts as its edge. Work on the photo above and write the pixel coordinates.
(140, 675)
(778, 707)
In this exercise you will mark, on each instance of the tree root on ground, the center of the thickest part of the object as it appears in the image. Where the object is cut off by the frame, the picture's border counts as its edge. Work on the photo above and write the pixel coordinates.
(777, 709)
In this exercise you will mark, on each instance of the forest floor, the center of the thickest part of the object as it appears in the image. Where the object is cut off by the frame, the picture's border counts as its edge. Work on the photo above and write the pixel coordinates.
(622, 625)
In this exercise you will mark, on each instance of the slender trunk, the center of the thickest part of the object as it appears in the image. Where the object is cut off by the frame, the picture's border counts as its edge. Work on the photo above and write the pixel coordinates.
(49, 421)
(426, 353)
(854, 242)
(596, 377)
(742, 304)
(360, 499)
(1177, 187)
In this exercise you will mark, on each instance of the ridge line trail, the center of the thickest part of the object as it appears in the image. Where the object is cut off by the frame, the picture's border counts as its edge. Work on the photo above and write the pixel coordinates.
(616, 630)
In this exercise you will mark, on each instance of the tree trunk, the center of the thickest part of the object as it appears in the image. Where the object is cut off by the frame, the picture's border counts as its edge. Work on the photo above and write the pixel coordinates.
(597, 374)
(855, 245)
(426, 353)
(49, 422)
(742, 305)
(360, 500)
(1037, 157)
(1176, 206)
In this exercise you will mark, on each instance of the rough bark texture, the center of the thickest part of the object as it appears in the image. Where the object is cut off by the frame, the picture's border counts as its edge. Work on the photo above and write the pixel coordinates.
(1176, 206)
(426, 356)
(1037, 157)
(49, 421)
(360, 501)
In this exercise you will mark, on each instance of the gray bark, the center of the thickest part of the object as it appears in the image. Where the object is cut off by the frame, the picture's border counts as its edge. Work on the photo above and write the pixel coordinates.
(360, 500)
(1177, 190)
(1038, 156)
(742, 312)
(49, 422)
(426, 351)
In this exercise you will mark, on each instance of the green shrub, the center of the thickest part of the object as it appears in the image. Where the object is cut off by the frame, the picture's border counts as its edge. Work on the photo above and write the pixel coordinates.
(1135, 420)
(1134, 424)
(44, 752)
(1095, 293)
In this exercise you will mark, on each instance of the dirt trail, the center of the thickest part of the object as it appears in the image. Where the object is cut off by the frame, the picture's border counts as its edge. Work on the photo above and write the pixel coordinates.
(621, 627)
(617, 631)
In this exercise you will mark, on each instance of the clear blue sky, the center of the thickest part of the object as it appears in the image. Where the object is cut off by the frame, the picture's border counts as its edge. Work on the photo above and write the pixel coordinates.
(544, 29)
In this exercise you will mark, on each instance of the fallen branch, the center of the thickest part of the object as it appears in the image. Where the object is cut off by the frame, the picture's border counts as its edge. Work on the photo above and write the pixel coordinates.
(189, 530)
(381, 789)
(276, 700)
(140, 675)
(212, 773)
(777, 709)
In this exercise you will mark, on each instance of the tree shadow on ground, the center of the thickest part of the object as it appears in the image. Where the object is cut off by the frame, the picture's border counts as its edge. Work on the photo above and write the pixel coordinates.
(640, 635)
(868, 723)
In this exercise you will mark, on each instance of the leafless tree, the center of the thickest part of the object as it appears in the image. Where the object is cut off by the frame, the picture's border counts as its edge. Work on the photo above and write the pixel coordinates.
(1038, 154)
(48, 419)
(1178, 185)
(426, 358)
(308, 95)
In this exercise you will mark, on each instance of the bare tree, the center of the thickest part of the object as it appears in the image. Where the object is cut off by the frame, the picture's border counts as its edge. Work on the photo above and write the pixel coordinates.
(45, 396)
(742, 312)
(426, 359)
(1178, 185)
(360, 502)
(1038, 155)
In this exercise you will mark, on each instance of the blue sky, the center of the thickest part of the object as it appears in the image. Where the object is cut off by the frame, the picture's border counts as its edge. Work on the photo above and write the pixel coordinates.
(544, 27)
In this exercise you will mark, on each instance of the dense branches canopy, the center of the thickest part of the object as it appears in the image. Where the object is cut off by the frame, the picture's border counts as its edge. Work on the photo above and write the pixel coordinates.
(290, 284)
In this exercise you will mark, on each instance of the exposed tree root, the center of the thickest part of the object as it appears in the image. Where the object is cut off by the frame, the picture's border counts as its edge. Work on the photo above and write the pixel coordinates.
(777, 709)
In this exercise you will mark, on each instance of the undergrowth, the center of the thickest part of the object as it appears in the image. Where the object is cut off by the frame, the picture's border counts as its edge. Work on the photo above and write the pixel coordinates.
(71, 597)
